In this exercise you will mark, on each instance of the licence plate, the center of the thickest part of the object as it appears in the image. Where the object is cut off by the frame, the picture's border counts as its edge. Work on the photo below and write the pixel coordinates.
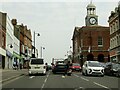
(37, 67)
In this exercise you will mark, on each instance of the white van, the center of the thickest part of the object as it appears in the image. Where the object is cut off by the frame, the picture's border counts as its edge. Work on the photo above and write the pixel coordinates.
(36, 66)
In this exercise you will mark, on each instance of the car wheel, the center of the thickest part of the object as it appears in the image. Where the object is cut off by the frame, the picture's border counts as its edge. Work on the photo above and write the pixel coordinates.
(69, 74)
(54, 72)
(83, 73)
(102, 75)
(29, 74)
(86, 73)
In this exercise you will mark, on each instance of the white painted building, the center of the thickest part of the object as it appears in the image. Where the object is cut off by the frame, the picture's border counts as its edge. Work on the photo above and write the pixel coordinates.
(16, 50)
(9, 43)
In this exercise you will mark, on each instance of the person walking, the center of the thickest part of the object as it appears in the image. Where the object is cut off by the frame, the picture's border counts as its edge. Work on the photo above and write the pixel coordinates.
(20, 65)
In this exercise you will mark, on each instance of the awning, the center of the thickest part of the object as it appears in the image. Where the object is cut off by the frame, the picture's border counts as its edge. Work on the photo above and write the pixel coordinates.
(9, 54)
(16, 55)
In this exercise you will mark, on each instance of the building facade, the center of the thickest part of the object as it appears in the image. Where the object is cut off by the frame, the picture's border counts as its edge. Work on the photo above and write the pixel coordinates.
(89, 42)
(16, 48)
(2, 39)
(9, 43)
(23, 34)
(114, 23)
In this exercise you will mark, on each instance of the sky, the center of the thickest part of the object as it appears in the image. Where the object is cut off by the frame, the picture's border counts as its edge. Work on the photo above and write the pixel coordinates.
(55, 20)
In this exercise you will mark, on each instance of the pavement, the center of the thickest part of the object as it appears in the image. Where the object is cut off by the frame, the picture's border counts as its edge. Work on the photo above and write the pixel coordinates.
(9, 74)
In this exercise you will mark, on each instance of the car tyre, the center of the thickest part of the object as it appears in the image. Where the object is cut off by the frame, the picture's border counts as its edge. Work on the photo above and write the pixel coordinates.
(83, 73)
(86, 73)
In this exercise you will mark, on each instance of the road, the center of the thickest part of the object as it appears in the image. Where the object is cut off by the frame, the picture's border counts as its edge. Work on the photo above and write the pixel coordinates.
(57, 81)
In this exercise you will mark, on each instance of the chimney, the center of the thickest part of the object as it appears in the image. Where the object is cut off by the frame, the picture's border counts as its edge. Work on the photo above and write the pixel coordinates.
(14, 22)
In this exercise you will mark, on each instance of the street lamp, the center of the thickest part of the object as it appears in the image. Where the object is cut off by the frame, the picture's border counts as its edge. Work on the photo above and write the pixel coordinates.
(41, 50)
(11, 46)
(34, 41)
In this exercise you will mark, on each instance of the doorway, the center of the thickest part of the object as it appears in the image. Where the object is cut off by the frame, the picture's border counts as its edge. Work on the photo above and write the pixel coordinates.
(90, 57)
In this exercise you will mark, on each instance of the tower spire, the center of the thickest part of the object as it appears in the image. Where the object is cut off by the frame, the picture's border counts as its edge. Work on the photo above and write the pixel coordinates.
(91, 2)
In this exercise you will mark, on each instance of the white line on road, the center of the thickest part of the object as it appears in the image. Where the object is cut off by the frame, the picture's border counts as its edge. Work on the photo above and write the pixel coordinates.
(45, 81)
(42, 86)
(75, 75)
(100, 85)
(84, 79)
(31, 77)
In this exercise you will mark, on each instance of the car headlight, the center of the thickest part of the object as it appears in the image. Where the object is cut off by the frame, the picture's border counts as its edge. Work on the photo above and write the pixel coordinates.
(114, 70)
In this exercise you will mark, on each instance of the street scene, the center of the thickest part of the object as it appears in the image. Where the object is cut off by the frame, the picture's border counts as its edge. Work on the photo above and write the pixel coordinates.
(66, 45)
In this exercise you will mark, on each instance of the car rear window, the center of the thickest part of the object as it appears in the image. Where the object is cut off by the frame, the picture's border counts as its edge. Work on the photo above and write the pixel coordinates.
(37, 61)
(61, 66)
(76, 64)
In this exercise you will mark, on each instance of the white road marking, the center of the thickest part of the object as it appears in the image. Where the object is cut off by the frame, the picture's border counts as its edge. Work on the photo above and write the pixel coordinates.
(45, 81)
(42, 86)
(75, 75)
(84, 79)
(31, 77)
(100, 85)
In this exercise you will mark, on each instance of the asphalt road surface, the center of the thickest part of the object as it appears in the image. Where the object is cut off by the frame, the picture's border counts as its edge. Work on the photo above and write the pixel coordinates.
(59, 82)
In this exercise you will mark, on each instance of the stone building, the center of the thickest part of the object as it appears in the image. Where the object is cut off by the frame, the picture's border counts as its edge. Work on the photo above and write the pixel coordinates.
(114, 24)
(91, 42)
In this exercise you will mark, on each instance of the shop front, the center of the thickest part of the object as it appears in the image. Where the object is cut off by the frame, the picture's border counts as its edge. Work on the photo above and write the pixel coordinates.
(9, 57)
(16, 58)
(2, 58)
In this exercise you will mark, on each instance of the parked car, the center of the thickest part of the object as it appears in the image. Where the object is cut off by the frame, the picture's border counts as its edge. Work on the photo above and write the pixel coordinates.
(118, 71)
(61, 68)
(76, 67)
(103, 64)
(92, 68)
(36, 66)
(111, 68)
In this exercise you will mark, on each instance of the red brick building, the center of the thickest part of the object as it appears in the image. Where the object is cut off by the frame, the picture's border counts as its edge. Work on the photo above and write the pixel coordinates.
(91, 42)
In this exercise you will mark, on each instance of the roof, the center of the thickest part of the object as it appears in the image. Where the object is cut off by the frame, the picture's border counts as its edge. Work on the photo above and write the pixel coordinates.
(91, 5)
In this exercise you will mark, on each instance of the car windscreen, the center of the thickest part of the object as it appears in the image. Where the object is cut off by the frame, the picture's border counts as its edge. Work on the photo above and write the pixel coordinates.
(37, 61)
(94, 64)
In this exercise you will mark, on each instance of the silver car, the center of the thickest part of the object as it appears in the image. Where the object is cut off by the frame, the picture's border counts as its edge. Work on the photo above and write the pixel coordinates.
(92, 68)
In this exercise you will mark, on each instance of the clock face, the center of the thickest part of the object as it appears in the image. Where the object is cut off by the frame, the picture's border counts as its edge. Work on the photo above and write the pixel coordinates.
(92, 20)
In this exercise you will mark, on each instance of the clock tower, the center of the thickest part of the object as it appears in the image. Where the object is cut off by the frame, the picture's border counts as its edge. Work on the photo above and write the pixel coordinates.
(91, 18)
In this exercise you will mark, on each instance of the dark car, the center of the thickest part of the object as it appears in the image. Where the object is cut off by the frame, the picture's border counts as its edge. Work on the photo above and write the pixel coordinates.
(76, 67)
(61, 68)
(111, 68)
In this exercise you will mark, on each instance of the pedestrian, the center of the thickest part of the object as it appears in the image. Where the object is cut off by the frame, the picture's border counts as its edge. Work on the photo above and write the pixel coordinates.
(20, 65)
(14, 65)
(67, 68)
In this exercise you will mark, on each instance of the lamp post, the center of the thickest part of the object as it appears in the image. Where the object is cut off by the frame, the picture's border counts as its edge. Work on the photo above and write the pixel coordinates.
(41, 50)
(11, 46)
(34, 41)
